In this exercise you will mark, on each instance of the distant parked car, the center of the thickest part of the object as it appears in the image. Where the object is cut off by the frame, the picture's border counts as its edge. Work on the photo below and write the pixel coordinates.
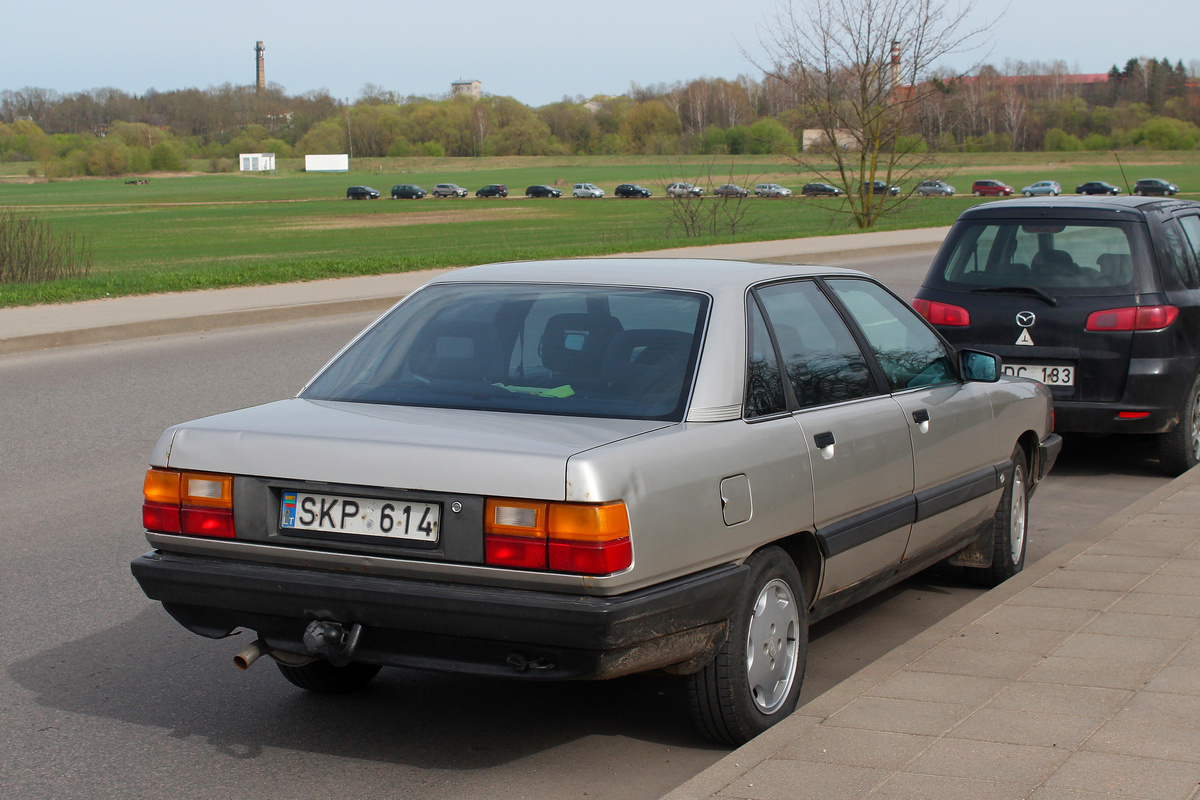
(493, 190)
(879, 187)
(407, 191)
(1154, 186)
(990, 188)
(731, 190)
(1042, 187)
(631, 190)
(362, 193)
(1097, 187)
(449, 190)
(934, 188)
(587, 190)
(819, 189)
(772, 190)
(682, 189)
(541, 190)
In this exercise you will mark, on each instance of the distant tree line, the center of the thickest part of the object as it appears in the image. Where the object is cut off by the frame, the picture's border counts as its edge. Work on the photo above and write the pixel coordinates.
(1149, 103)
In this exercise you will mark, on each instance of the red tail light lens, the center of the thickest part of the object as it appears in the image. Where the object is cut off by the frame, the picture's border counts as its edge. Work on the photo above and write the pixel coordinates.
(1133, 318)
(194, 503)
(942, 313)
(579, 538)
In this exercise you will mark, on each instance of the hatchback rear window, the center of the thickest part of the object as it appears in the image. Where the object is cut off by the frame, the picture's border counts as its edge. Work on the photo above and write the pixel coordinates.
(1083, 258)
(573, 350)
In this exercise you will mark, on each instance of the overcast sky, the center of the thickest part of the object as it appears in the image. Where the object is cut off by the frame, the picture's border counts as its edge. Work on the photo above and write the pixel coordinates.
(537, 51)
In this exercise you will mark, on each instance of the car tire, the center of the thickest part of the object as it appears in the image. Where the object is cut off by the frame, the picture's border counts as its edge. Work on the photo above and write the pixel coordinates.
(1027, 194)
(324, 678)
(1010, 527)
(977, 193)
(1179, 448)
(737, 696)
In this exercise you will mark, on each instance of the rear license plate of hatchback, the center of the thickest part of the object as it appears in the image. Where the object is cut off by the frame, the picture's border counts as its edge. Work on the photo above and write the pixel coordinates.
(1057, 375)
(361, 516)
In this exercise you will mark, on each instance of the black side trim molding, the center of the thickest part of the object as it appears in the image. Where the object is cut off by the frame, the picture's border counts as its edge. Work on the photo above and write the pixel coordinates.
(932, 502)
(852, 531)
(848, 533)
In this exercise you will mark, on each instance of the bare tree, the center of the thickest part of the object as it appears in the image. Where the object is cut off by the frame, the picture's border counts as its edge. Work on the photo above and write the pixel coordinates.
(860, 69)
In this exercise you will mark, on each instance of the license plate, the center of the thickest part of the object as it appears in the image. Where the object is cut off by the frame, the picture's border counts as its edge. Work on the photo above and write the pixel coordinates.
(362, 516)
(1051, 376)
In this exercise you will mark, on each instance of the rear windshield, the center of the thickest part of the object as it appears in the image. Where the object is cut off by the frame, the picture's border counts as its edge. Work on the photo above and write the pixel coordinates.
(543, 349)
(1079, 257)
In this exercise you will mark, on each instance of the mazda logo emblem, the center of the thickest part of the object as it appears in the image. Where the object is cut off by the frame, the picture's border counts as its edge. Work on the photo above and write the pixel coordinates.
(1026, 319)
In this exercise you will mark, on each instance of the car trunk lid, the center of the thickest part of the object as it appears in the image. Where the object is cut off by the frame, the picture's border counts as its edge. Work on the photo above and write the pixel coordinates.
(446, 450)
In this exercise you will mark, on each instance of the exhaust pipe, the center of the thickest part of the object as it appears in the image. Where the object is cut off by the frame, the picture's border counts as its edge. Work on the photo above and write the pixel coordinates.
(249, 654)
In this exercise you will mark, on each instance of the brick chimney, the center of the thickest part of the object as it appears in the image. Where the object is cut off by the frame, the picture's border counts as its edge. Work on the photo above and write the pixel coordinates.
(261, 78)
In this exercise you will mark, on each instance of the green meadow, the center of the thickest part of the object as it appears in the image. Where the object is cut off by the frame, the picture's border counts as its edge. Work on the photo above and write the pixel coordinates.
(204, 230)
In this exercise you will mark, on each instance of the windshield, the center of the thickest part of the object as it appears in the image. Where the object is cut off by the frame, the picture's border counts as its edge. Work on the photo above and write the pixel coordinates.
(1080, 257)
(544, 349)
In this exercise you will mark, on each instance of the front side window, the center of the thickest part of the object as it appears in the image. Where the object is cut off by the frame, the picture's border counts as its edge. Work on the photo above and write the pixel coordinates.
(573, 350)
(822, 361)
(1082, 258)
(909, 353)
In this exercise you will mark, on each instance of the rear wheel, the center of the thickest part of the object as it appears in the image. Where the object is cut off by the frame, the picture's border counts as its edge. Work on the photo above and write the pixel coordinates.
(755, 679)
(977, 193)
(1009, 525)
(1179, 448)
(325, 678)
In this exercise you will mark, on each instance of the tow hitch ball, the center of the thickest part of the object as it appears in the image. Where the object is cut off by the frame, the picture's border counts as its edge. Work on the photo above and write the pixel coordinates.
(332, 640)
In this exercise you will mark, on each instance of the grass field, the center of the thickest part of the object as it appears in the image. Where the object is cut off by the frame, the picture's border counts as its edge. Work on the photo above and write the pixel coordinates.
(209, 230)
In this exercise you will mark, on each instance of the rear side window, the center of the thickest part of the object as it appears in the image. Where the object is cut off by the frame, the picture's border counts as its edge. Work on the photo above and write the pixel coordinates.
(822, 361)
(1188, 257)
(1079, 257)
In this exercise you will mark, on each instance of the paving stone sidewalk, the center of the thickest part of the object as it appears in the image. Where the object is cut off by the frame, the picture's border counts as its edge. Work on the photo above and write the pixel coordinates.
(1079, 679)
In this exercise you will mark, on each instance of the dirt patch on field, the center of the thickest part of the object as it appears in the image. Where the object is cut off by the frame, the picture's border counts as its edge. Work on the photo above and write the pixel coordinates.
(397, 220)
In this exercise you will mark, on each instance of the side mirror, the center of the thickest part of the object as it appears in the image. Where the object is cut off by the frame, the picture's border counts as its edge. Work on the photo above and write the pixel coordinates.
(976, 365)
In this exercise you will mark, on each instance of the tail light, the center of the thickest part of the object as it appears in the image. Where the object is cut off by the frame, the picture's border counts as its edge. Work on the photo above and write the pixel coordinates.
(1133, 318)
(192, 503)
(580, 538)
(942, 313)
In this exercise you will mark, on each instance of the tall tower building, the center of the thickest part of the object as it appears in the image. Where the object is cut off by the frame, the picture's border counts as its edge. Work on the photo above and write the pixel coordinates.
(261, 76)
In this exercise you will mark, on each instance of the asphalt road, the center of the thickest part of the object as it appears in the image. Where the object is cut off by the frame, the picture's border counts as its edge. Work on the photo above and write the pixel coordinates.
(103, 695)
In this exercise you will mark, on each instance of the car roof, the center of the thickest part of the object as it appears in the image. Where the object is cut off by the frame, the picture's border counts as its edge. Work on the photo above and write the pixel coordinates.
(1077, 207)
(712, 276)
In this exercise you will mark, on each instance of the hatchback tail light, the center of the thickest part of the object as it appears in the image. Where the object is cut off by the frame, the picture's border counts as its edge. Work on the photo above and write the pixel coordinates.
(578, 538)
(1133, 318)
(942, 313)
(192, 503)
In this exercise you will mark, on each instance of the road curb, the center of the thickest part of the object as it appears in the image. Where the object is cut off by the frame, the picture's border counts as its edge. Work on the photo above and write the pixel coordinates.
(163, 327)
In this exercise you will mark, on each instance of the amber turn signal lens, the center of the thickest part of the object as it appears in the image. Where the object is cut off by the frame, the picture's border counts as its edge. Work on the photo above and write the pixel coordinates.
(161, 486)
(585, 523)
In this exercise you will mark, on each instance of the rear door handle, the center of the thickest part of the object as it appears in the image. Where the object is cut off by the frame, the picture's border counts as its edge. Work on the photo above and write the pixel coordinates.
(921, 417)
(824, 440)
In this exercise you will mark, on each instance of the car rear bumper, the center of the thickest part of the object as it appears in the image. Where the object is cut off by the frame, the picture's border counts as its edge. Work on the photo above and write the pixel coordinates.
(1154, 393)
(451, 627)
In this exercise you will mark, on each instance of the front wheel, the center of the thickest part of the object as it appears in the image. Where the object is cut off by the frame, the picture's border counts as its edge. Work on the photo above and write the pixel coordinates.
(754, 681)
(1179, 448)
(1028, 194)
(324, 678)
(1010, 525)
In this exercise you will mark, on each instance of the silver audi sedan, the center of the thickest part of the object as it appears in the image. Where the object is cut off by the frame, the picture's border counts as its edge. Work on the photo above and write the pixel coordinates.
(591, 468)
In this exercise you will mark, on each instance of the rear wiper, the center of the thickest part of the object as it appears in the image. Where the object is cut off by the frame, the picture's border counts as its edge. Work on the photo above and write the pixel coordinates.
(1033, 290)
